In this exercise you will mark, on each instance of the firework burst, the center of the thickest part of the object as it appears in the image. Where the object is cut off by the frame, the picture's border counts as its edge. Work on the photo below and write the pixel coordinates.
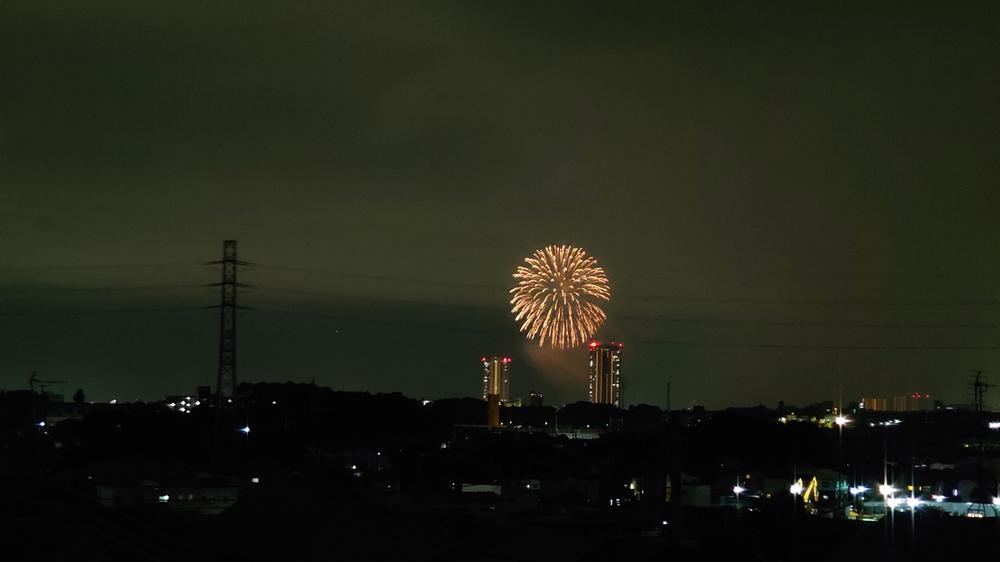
(555, 294)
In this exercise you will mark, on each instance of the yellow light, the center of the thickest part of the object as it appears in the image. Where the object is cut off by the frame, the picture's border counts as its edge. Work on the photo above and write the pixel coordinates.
(812, 490)
(554, 296)
(796, 487)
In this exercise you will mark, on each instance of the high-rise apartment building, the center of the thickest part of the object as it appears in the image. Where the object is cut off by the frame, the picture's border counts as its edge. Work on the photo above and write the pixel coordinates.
(606, 373)
(496, 377)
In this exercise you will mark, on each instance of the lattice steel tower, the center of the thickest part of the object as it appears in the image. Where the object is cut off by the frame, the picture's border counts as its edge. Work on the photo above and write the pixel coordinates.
(227, 323)
(227, 403)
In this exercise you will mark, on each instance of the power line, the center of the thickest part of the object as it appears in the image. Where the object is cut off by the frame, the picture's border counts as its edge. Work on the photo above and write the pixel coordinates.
(420, 325)
(19, 290)
(359, 320)
(335, 295)
(735, 322)
(511, 333)
(790, 323)
(817, 346)
(689, 343)
(389, 278)
(812, 302)
(811, 324)
(101, 266)
(498, 288)
(646, 297)
(642, 319)
(97, 312)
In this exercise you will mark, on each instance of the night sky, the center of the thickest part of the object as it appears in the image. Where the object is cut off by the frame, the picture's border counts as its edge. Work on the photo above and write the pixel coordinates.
(812, 190)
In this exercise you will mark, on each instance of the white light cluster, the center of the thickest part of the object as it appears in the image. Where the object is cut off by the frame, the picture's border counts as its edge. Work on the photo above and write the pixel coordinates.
(185, 406)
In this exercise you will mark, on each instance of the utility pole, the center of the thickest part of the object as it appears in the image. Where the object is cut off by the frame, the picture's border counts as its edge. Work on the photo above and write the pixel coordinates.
(42, 384)
(676, 476)
(979, 389)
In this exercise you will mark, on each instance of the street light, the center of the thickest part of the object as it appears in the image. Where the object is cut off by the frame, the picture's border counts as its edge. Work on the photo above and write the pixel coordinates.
(886, 490)
(245, 430)
(796, 488)
(841, 421)
(737, 490)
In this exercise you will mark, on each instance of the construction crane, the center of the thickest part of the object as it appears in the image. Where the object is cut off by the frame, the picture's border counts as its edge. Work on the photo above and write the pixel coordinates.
(42, 384)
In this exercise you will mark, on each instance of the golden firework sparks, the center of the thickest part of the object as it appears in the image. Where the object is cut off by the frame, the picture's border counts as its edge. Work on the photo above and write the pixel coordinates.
(555, 295)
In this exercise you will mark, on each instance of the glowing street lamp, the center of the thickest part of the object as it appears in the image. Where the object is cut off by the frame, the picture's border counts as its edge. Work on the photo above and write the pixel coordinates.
(796, 488)
(841, 421)
(245, 430)
(737, 490)
(886, 490)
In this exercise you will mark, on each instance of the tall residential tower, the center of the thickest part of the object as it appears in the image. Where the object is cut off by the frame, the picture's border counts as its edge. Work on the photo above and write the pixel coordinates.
(496, 377)
(606, 373)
